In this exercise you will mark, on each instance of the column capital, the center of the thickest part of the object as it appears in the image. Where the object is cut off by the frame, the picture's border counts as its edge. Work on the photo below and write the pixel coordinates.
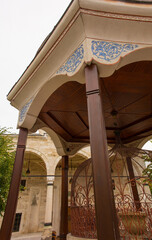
(50, 180)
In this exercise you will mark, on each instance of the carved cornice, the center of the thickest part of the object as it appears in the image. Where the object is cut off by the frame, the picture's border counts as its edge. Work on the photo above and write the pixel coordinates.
(117, 15)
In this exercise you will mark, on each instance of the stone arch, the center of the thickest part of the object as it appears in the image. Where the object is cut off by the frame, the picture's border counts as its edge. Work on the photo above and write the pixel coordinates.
(144, 141)
(33, 210)
(119, 164)
(82, 153)
(40, 155)
(56, 162)
(85, 153)
(57, 188)
(137, 168)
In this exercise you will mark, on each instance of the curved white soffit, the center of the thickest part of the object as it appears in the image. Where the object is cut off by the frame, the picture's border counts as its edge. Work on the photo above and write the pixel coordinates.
(62, 147)
(109, 56)
(56, 140)
(29, 112)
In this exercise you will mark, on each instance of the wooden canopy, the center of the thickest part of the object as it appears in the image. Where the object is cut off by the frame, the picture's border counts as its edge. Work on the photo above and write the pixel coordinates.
(127, 103)
(51, 92)
(91, 76)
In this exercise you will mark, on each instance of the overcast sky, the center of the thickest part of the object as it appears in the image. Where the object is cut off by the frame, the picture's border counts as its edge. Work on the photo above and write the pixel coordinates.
(24, 24)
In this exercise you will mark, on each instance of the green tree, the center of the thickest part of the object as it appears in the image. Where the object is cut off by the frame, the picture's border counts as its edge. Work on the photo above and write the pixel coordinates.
(148, 170)
(7, 156)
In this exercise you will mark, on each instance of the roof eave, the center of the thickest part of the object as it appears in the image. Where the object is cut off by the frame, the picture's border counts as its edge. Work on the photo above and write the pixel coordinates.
(45, 46)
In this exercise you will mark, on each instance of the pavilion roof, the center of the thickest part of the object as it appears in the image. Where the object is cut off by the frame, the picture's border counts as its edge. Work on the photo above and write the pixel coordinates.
(106, 6)
(114, 35)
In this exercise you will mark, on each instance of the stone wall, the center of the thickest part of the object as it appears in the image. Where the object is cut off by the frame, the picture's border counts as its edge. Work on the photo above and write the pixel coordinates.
(44, 164)
(41, 158)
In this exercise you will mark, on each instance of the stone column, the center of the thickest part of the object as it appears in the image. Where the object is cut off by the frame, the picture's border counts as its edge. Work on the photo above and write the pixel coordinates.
(48, 211)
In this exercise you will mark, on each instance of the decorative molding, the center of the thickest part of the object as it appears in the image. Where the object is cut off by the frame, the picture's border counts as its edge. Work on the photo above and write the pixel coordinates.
(117, 15)
(73, 62)
(109, 51)
(24, 110)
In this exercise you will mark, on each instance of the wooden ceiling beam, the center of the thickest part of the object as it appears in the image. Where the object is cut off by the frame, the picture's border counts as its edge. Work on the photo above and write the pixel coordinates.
(136, 122)
(82, 120)
(112, 128)
(51, 123)
(54, 125)
(137, 136)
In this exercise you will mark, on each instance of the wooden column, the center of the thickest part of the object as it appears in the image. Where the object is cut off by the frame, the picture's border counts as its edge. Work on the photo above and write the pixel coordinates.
(64, 199)
(106, 219)
(133, 184)
(10, 210)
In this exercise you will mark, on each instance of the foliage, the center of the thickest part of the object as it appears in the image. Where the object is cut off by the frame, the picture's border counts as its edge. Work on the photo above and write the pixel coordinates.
(7, 156)
(148, 170)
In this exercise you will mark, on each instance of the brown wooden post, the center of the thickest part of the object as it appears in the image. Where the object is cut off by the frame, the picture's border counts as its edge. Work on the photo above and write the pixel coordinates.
(106, 219)
(8, 220)
(64, 199)
(133, 184)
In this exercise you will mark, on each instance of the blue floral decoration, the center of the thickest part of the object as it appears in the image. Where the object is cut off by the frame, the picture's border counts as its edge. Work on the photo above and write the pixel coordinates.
(24, 110)
(110, 50)
(73, 62)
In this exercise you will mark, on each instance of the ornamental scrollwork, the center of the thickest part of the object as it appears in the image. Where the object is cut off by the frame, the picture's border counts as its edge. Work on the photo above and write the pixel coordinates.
(73, 62)
(24, 110)
(133, 209)
(109, 51)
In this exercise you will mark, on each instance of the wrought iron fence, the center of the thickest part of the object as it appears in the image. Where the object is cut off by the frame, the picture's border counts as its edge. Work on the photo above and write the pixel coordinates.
(134, 214)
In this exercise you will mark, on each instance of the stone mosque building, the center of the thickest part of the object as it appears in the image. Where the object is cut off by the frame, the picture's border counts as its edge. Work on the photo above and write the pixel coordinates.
(39, 202)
